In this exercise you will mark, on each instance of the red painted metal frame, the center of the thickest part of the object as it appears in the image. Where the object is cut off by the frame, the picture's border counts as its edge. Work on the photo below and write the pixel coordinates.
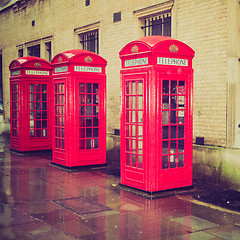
(79, 89)
(156, 148)
(30, 99)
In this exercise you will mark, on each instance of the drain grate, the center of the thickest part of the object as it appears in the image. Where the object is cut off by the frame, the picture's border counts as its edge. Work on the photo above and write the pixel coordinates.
(229, 199)
(81, 205)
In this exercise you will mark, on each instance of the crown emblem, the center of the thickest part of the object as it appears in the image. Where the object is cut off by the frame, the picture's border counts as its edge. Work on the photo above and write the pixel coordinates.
(60, 59)
(37, 64)
(88, 59)
(134, 49)
(173, 48)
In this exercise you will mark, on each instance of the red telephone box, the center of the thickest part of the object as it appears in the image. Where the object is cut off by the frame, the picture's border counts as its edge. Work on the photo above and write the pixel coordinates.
(156, 114)
(30, 97)
(79, 108)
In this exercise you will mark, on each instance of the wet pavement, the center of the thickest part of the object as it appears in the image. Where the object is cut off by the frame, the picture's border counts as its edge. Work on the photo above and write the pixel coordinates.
(39, 201)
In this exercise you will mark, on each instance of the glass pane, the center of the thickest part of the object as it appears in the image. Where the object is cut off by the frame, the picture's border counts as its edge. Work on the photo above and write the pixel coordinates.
(140, 132)
(133, 116)
(38, 96)
(32, 133)
(173, 102)
(38, 133)
(89, 122)
(140, 161)
(81, 99)
(89, 144)
(38, 106)
(95, 99)
(32, 97)
(133, 130)
(95, 110)
(180, 131)
(88, 132)
(95, 121)
(140, 102)
(165, 117)
(38, 88)
(44, 132)
(173, 87)
(95, 88)
(173, 161)
(95, 143)
(164, 162)
(32, 115)
(173, 148)
(134, 160)
(44, 115)
(128, 147)
(89, 87)
(89, 99)
(173, 117)
(44, 124)
(81, 87)
(133, 102)
(181, 146)
(165, 147)
(127, 128)
(181, 117)
(134, 146)
(38, 124)
(127, 159)
(140, 87)
(44, 87)
(127, 102)
(63, 135)
(181, 102)
(165, 87)
(165, 132)
(140, 116)
(82, 110)
(181, 88)
(165, 102)
(89, 110)
(181, 160)
(127, 87)
(95, 132)
(32, 106)
(127, 117)
(31, 88)
(173, 132)
(133, 87)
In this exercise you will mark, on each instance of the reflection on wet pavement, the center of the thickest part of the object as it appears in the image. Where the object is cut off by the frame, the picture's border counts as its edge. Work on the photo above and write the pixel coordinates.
(39, 201)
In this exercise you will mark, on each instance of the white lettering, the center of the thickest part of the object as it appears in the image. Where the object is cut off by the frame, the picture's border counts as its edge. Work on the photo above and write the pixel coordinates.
(61, 69)
(14, 73)
(172, 61)
(136, 62)
(87, 69)
(35, 72)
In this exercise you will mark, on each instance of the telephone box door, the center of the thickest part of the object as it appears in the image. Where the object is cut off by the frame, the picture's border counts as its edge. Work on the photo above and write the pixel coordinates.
(175, 130)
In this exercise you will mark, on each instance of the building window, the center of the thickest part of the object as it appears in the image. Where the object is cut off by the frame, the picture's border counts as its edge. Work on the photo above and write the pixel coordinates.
(160, 25)
(90, 41)
(48, 53)
(20, 53)
(87, 2)
(34, 51)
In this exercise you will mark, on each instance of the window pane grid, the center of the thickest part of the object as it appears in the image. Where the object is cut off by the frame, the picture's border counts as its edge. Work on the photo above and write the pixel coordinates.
(59, 108)
(90, 41)
(38, 110)
(88, 116)
(134, 123)
(173, 124)
(160, 25)
(15, 108)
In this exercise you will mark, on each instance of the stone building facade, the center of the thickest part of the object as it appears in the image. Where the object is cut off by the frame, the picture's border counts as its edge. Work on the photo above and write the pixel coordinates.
(45, 28)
